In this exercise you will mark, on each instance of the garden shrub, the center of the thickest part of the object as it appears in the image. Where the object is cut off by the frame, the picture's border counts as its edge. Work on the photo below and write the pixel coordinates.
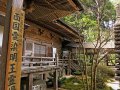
(77, 72)
(106, 71)
(69, 84)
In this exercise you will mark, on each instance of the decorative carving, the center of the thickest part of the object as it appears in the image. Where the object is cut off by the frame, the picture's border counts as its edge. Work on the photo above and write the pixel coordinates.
(41, 31)
(52, 35)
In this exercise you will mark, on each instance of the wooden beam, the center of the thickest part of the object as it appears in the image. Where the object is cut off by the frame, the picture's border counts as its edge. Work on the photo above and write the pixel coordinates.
(5, 45)
(73, 4)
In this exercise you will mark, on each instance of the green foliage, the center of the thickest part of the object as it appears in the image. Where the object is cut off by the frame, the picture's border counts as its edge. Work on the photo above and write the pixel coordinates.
(107, 88)
(86, 22)
(93, 23)
(50, 81)
(69, 84)
(105, 72)
(107, 11)
(100, 82)
(112, 59)
(77, 73)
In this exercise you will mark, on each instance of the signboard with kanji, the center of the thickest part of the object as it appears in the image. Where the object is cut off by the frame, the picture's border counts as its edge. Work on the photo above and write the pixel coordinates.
(13, 69)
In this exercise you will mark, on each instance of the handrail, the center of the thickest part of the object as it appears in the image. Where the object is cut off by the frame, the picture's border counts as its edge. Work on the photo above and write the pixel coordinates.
(33, 62)
(67, 59)
(35, 57)
(38, 62)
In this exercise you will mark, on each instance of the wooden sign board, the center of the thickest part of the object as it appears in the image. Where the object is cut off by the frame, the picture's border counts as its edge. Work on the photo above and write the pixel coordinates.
(13, 69)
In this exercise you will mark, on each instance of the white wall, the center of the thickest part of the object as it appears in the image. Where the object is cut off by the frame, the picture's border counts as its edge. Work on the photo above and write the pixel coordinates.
(1, 34)
(54, 52)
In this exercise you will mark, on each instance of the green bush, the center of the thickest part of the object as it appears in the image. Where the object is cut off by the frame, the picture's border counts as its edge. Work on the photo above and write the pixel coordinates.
(103, 71)
(106, 71)
(100, 83)
(77, 73)
(61, 81)
(69, 84)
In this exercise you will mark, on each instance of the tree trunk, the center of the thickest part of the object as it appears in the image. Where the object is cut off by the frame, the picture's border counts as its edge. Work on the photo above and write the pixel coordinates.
(92, 66)
(94, 77)
(86, 74)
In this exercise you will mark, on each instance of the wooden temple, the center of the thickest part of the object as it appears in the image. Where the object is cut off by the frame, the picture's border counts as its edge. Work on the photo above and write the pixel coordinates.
(41, 48)
(117, 42)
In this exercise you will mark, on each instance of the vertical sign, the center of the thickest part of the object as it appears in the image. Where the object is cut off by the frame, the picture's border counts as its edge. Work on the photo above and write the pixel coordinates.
(13, 69)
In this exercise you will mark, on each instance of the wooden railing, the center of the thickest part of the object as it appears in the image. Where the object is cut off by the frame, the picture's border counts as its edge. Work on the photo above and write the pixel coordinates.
(31, 63)
(63, 62)
(71, 63)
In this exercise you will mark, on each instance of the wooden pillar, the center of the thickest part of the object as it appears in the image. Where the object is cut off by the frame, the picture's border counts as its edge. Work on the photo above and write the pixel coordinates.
(44, 76)
(29, 82)
(56, 74)
(30, 79)
(69, 65)
(57, 60)
(56, 80)
(11, 56)
(3, 59)
(41, 76)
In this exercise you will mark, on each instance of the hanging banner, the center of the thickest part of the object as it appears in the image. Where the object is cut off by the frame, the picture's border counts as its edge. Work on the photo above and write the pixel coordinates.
(13, 69)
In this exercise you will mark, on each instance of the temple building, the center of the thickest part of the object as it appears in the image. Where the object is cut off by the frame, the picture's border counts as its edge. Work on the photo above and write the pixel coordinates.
(44, 45)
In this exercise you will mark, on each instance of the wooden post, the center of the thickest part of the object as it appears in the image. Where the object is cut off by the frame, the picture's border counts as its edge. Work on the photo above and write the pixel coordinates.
(44, 76)
(13, 51)
(56, 74)
(30, 80)
(56, 59)
(41, 76)
(56, 80)
(69, 64)
(3, 59)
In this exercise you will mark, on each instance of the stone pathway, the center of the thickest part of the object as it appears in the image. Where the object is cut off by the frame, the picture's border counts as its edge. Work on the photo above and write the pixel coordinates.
(115, 85)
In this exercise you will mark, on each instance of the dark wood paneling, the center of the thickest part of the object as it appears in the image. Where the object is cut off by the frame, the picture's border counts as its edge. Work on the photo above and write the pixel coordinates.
(2, 20)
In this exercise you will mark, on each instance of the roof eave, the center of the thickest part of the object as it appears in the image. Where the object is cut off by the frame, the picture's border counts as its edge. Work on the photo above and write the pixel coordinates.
(78, 4)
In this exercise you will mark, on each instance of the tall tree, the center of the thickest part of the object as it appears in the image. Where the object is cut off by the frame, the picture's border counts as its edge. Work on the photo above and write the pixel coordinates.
(95, 23)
